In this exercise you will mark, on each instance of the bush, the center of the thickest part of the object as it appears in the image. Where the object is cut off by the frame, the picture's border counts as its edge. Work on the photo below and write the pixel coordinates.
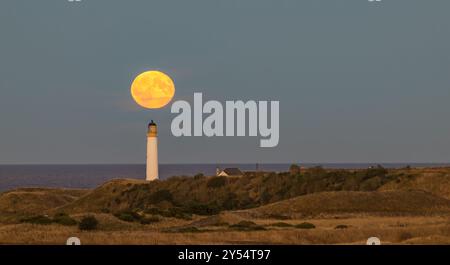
(203, 209)
(305, 225)
(88, 223)
(128, 216)
(217, 182)
(125, 217)
(374, 172)
(246, 226)
(278, 217)
(177, 213)
(341, 227)
(174, 212)
(281, 224)
(64, 219)
(160, 196)
(183, 229)
(38, 219)
(150, 220)
(153, 210)
(405, 236)
(199, 176)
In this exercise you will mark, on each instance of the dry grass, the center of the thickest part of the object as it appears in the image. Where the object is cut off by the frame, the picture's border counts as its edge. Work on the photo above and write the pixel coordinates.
(28, 201)
(351, 203)
(391, 230)
(413, 209)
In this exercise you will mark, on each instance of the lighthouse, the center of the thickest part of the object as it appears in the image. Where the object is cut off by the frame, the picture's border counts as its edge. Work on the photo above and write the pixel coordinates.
(152, 152)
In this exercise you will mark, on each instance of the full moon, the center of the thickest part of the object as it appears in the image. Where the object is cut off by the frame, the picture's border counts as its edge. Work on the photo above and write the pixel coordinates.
(152, 89)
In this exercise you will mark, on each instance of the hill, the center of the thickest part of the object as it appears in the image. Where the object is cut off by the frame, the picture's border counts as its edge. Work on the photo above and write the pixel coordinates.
(435, 181)
(101, 199)
(210, 195)
(326, 204)
(317, 190)
(28, 201)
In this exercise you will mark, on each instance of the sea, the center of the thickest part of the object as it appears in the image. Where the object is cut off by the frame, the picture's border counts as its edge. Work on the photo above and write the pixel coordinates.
(91, 176)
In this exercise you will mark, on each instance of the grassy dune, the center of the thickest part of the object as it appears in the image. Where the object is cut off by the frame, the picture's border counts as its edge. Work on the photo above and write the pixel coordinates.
(342, 203)
(30, 201)
(316, 206)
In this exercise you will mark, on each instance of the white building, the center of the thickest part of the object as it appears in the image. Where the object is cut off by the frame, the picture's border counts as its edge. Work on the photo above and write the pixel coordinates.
(152, 152)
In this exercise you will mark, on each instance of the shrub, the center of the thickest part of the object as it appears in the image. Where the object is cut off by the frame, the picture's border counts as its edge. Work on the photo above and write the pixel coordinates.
(375, 171)
(88, 223)
(105, 210)
(203, 209)
(405, 236)
(128, 216)
(199, 176)
(64, 219)
(318, 172)
(281, 224)
(217, 182)
(177, 213)
(189, 229)
(246, 226)
(279, 217)
(38, 219)
(265, 197)
(174, 212)
(341, 227)
(371, 184)
(182, 229)
(305, 225)
(150, 220)
(160, 196)
(245, 223)
(125, 217)
(153, 210)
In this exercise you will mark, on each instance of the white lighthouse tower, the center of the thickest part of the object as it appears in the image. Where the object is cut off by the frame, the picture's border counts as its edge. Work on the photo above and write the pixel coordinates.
(152, 152)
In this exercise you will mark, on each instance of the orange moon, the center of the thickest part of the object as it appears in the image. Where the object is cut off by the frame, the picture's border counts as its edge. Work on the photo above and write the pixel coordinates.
(152, 89)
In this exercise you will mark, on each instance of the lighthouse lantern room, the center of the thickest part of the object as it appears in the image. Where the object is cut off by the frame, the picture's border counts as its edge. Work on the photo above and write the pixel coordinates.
(152, 152)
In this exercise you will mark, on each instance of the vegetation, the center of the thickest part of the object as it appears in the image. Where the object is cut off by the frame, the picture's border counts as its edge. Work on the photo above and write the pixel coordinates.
(150, 220)
(217, 182)
(247, 226)
(182, 196)
(305, 225)
(173, 212)
(128, 216)
(38, 219)
(60, 218)
(281, 224)
(294, 169)
(88, 223)
(160, 196)
(184, 229)
(64, 219)
(350, 201)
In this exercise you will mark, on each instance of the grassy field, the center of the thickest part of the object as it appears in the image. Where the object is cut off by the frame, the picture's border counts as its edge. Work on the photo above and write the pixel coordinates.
(391, 230)
(401, 206)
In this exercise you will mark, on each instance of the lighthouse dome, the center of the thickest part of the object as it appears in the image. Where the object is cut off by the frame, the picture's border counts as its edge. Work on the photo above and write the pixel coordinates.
(152, 130)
